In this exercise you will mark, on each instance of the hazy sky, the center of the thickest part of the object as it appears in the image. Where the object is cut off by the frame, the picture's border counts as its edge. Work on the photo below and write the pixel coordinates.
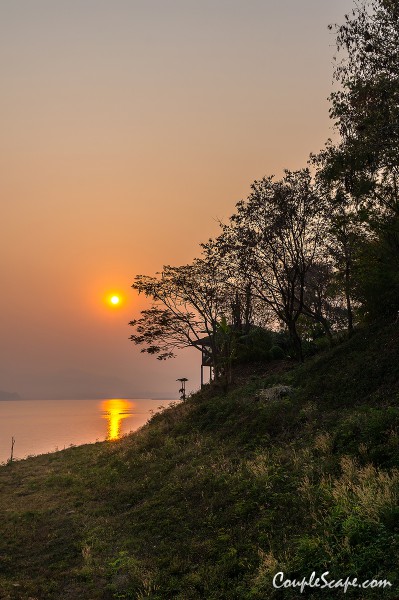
(128, 128)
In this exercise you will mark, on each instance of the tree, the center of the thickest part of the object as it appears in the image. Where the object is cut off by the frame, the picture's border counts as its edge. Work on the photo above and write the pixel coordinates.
(189, 302)
(361, 171)
(377, 273)
(319, 298)
(238, 284)
(366, 107)
(274, 238)
(349, 215)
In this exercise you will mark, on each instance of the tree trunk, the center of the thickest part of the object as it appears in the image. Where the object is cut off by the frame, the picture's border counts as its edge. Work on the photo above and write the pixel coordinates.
(347, 296)
(296, 341)
(327, 330)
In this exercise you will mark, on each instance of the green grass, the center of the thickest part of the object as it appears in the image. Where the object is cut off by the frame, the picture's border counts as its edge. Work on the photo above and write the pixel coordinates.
(215, 496)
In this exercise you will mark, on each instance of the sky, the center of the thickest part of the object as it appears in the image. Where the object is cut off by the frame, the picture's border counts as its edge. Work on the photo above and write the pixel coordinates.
(129, 128)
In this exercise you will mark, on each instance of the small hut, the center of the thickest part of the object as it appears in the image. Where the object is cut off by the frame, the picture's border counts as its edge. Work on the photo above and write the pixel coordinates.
(206, 356)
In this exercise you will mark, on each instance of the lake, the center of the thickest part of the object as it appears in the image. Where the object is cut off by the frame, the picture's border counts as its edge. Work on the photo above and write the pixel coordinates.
(40, 426)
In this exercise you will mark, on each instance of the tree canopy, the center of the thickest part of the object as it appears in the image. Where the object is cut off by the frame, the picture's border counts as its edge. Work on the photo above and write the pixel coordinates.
(316, 253)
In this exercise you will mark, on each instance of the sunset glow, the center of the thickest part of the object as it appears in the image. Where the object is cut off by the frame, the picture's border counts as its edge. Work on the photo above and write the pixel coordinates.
(129, 131)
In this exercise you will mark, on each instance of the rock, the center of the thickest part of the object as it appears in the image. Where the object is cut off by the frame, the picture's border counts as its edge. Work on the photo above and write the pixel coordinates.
(276, 392)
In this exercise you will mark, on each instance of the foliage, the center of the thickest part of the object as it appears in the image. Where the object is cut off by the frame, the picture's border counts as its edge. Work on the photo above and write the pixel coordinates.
(366, 106)
(377, 276)
(256, 345)
(189, 301)
(308, 253)
(274, 237)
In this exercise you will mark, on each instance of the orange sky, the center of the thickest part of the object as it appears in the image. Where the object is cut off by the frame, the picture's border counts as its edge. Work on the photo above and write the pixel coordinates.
(128, 129)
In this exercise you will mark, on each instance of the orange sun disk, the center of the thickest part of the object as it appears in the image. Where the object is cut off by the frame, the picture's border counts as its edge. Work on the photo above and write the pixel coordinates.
(114, 299)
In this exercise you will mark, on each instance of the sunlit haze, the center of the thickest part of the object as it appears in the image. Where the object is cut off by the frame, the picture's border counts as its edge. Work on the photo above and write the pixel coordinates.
(129, 129)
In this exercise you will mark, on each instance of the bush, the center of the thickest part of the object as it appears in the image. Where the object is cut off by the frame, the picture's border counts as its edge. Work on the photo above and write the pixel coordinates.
(276, 353)
(254, 346)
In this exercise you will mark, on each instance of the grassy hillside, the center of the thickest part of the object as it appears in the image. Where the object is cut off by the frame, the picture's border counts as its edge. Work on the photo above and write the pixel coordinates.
(216, 495)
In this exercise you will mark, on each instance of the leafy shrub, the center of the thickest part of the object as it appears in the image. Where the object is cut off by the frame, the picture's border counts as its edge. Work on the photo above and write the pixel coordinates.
(276, 353)
(254, 346)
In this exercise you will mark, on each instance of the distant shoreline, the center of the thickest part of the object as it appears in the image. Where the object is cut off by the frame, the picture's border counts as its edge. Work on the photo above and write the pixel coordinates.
(20, 398)
(9, 395)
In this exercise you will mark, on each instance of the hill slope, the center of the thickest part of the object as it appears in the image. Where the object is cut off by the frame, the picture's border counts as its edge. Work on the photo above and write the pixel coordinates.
(215, 496)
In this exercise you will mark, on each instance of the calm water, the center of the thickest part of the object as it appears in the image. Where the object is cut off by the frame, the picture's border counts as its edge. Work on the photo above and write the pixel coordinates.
(40, 426)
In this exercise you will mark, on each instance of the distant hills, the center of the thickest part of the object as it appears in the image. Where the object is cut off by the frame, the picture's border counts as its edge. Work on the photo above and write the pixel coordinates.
(9, 395)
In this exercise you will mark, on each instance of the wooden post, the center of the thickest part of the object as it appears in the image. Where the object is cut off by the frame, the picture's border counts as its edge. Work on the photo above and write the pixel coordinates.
(12, 449)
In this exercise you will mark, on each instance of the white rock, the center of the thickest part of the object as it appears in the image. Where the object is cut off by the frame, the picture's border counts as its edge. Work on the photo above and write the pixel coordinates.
(276, 392)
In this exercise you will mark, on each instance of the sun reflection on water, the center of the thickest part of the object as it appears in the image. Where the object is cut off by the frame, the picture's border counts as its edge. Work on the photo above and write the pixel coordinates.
(115, 410)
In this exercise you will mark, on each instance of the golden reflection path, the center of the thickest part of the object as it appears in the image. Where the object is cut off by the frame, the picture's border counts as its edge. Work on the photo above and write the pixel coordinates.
(115, 410)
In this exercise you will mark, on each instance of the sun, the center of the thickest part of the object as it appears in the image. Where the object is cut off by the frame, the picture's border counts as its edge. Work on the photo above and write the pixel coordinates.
(114, 299)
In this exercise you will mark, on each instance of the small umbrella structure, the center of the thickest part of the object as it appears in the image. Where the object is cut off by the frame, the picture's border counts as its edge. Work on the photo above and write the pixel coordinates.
(182, 390)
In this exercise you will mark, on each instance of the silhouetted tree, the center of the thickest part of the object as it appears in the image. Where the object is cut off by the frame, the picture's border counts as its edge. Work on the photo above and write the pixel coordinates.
(298, 253)
(190, 302)
(274, 238)
(366, 106)
(237, 281)
(347, 228)
(319, 303)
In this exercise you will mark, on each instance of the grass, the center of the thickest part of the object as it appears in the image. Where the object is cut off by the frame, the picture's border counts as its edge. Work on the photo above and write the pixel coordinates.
(215, 496)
